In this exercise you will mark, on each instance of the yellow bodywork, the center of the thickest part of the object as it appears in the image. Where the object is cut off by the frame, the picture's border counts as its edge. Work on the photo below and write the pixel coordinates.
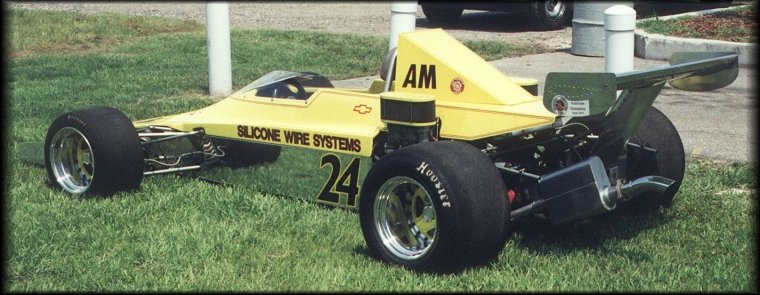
(330, 120)
(474, 100)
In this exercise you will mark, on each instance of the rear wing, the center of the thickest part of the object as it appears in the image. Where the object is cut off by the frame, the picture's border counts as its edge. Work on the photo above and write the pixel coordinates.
(690, 71)
(585, 94)
(596, 94)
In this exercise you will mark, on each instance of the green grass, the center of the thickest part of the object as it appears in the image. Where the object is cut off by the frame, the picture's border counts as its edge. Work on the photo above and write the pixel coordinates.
(178, 233)
(181, 234)
(49, 31)
(658, 26)
(739, 27)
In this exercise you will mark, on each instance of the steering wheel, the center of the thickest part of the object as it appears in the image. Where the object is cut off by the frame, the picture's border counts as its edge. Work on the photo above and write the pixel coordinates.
(284, 89)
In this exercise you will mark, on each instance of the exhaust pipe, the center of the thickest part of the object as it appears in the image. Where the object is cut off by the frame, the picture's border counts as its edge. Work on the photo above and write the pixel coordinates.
(584, 189)
(646, 184)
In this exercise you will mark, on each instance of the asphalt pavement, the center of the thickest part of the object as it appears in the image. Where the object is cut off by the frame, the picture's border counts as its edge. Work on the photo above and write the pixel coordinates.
(717, 125)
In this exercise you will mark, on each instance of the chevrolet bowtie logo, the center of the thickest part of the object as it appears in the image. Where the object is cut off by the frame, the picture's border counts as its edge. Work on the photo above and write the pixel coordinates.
(362, 109)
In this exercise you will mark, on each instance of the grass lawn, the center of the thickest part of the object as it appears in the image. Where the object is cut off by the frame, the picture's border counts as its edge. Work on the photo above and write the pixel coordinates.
(736, 25)
(181, 234)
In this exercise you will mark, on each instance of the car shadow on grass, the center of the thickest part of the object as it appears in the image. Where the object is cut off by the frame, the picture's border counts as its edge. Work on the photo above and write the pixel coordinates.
(595, 233)
(540, 236)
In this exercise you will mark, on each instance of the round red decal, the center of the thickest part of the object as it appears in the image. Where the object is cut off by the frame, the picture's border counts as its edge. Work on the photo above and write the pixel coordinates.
(559, 105)
(457, 86)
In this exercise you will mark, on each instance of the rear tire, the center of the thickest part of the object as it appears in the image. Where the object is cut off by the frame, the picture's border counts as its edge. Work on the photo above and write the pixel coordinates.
(94, 151)
(390, 59)
(656, 131)
(436, 206)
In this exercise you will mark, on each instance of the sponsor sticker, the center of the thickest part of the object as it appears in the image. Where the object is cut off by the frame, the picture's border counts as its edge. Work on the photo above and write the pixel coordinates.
(572, 108)
(456, 86)
(578, 108)
(559, 104)
(316, 140)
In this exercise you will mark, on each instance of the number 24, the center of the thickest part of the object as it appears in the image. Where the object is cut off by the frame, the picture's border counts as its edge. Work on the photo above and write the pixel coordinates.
(346, 182)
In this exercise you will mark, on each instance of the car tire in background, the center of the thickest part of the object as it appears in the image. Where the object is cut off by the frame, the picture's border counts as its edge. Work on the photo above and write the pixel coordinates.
(436, 206)
(657, 132)
(94, 151)
(441, 12)
(552, 14)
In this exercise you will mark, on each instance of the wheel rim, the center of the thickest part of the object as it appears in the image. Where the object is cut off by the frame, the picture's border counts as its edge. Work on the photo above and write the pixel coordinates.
(554, 9)
(405, 218)
(72, 161)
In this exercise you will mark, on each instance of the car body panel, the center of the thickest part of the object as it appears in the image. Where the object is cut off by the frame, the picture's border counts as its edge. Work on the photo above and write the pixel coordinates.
(345, 121)
(330, 120)
(308, 174)
(449, 62)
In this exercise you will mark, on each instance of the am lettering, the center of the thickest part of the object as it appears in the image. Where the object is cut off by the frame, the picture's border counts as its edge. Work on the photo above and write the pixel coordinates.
(425, 79)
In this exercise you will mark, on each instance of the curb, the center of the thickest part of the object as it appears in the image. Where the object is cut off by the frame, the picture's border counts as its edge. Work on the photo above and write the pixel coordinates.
(661, 47)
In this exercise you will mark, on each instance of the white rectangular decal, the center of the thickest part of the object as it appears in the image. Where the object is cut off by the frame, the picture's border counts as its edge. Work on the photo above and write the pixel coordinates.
(578, 108)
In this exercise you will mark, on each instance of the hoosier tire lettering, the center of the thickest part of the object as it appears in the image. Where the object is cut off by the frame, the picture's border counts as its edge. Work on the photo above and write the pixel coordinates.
(76, 119)
(426, 172)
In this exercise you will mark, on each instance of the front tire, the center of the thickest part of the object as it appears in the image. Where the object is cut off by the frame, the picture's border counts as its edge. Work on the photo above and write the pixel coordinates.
(435, 206)
(93, 151)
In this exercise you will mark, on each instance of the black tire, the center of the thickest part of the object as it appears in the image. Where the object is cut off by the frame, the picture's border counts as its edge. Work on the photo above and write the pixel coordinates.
(390, 58)
(469, 207)
(656, 131)
(94, 151)
(552, 14)
(441, 13)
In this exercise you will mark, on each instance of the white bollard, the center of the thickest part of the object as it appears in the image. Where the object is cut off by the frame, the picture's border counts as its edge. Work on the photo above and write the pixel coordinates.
(403, 19)
(218, 43)
(619, 24)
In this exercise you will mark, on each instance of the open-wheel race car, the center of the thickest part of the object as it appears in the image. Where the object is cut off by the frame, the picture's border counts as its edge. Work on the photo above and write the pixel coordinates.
(439, 156)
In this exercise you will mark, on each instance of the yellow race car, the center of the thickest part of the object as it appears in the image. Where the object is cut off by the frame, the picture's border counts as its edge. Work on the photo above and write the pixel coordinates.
(439, 156)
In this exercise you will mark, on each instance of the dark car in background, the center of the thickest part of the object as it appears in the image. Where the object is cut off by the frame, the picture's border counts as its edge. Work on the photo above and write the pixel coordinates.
(548, 14)
(555, 14)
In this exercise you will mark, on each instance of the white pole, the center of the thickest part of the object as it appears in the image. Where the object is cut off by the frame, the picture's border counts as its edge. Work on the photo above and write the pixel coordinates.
(218, 42)
(403, 19)
(619, 24)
